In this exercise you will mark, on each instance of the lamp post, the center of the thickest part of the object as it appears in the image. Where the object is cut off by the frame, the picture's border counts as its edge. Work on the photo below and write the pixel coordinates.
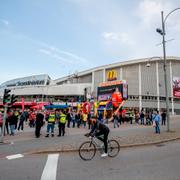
(163, 33)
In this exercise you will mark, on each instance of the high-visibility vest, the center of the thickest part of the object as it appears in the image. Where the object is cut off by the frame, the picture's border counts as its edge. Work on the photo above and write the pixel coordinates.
(63, 118)
(51, 118)
(85, 116)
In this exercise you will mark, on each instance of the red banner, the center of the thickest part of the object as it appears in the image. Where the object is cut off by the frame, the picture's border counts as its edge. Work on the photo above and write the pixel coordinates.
(176, 87)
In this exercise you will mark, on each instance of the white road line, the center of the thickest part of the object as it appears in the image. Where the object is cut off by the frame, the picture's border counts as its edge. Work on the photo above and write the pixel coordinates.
(15, 156)
(50, 169)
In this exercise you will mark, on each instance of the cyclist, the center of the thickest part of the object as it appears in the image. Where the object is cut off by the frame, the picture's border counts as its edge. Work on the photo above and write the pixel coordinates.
(98, 129)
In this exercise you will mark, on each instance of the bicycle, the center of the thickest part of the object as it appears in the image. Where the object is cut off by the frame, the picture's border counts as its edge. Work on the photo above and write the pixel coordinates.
(87, 149)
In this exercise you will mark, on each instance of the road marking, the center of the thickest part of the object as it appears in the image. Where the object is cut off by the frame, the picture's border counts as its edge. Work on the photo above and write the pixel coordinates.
(50, 169)
(15, 156)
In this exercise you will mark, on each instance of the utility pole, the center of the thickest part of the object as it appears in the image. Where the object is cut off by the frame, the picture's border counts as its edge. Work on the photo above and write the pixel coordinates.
(4, 122)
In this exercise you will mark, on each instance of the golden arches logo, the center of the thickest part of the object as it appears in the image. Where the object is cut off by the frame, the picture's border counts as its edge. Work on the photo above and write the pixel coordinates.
(111, 75)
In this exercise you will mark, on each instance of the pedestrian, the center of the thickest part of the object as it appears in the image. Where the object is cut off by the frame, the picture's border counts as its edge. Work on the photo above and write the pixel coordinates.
(12, 122)
(1, 121)
(73, 118)
(26, 115)
(142, 117)
(16, 114)
(130, 117)
(21, 121)
(156, 121)
(120, 117)
(62, 123)
(68, 118)
(163, 117)
(32, 118)
(137, 116)
(105, 119)
(123, 112)
(84, 119)
(78, 118)
(51, 122)
(115, 119)
(39, 123)
(100, 116)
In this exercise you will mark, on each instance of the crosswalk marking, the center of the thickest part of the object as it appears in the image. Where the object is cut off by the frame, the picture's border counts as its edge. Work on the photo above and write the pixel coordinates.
(15, 156)
(50, 169)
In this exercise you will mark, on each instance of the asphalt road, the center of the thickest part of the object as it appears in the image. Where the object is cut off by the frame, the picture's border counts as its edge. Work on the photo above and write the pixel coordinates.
(72, 136)
(160, 162)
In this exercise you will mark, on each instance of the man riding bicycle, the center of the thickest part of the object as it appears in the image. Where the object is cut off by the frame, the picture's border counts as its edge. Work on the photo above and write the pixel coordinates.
(97, 130)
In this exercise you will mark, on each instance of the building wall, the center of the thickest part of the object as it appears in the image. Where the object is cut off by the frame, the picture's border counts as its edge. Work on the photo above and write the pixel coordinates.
(84, 79)
(149, 80)
(132, 103)
(98, 78)
(149, 104)
(131, 75)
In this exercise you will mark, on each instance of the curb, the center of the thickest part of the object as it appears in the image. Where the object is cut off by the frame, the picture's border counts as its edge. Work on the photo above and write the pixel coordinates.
(63, 150)
(5, 143)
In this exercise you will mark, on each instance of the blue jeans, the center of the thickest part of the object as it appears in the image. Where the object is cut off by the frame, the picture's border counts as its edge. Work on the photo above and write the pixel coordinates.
(157, 128)
(50, 126)
(116, 123)
(142, 120)
(12, 128)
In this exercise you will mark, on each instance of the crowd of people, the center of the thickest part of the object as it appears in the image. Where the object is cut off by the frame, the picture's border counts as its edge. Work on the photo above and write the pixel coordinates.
(71, 118)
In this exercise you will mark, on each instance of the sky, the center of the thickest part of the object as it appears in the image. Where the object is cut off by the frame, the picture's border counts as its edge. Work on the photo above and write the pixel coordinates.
(62, 37)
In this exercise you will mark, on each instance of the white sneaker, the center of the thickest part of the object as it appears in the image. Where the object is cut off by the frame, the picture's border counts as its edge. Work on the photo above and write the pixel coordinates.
(104, 155)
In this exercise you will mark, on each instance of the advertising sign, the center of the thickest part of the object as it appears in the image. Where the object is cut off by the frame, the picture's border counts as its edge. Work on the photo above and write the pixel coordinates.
(112, 75)
(176, 87)
(105, 90)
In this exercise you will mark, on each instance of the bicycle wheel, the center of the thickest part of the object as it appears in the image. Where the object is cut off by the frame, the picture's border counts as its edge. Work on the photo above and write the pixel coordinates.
(113, 148)
(87, 150)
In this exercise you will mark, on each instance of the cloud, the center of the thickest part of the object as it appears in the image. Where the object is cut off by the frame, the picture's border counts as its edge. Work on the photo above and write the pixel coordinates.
(69, 54)
(117, 36)
(5, 22)
(149, 11)
(61, 55)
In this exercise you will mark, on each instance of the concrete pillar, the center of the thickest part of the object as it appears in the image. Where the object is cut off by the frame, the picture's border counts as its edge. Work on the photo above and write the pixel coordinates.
(104, 75)
(92, 85)
(140, 89)
(157, 85)
(121, 74)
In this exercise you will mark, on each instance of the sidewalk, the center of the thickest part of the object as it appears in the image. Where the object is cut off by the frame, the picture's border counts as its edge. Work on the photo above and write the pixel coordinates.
(127, 135)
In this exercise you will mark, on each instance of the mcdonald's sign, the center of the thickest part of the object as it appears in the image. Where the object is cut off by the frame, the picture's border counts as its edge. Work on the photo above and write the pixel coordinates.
(112, 75)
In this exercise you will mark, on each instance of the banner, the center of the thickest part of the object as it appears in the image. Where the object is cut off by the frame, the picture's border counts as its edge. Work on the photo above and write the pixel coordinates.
(176, 87)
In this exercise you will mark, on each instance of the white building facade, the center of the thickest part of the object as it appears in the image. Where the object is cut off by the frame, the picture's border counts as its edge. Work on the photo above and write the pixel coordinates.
(146, 87)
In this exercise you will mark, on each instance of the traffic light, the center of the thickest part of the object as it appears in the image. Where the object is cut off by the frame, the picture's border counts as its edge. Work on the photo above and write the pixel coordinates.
(6, 97)
(13, 99)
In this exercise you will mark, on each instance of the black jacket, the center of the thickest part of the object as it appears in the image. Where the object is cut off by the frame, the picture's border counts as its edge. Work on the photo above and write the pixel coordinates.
(99, 126)
(39, 119)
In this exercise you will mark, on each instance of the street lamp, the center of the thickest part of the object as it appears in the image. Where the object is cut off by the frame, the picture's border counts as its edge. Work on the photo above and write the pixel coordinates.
(149, 60)
(163, 33)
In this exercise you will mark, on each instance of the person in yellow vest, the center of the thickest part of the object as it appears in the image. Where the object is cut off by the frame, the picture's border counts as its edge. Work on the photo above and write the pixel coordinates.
(51, 122)
(84, 118)
(62, 123)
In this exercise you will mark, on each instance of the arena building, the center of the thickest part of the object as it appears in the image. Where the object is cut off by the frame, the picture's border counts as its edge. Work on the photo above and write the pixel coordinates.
(145, 79)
